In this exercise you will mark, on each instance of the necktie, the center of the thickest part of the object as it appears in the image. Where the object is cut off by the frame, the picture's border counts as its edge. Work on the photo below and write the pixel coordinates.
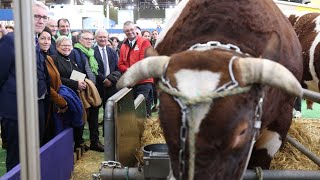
(131, 44)
(105, 62)
(36, 40)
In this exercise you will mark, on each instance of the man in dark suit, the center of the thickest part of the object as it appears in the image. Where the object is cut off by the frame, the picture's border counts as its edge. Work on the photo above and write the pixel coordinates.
(8, 96)
(107, 59)
(8, 105)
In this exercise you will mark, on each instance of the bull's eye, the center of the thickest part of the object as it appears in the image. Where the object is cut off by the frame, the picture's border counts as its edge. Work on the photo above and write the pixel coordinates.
(239, 137)
(243, 132)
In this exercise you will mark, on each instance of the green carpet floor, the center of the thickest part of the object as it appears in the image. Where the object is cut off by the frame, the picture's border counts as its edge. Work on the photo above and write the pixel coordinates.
(2, 161)
(306, 114)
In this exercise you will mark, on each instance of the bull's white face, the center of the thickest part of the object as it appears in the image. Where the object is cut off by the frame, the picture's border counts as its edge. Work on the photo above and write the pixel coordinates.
(194, 83)
(223, 127)
(191, 82)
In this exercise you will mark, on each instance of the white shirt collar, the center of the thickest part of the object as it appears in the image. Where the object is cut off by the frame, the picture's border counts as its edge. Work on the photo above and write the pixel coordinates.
(133, 41)
(101, 48)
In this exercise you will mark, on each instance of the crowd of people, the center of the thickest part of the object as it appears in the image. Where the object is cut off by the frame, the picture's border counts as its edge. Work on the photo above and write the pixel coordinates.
(76, 74)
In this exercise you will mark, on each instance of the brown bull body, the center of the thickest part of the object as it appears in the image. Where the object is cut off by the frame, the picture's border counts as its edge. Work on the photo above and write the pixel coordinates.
(224, 126)
(307, 27)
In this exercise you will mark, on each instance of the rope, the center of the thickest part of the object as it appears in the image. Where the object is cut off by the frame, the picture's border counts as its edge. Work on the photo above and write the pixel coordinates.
(192, 148)
(203, 98)
(259, 173)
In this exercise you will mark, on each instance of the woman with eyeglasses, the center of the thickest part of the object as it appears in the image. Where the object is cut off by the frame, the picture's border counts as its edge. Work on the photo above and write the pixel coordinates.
(66, 65)
(57, 103)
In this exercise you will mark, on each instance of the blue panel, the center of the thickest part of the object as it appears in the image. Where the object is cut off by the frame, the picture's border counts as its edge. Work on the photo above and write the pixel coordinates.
(6, 15)
(56, 158)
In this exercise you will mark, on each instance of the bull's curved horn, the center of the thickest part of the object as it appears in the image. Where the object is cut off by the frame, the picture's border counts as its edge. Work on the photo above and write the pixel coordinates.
(149, 67)
(264, 71)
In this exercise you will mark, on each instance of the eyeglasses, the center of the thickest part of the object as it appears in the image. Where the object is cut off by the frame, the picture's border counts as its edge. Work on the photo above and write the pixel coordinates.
(88, 39)
(102, 37)
(38, 17)
(65, 45)
(129, 30)
(53, 26)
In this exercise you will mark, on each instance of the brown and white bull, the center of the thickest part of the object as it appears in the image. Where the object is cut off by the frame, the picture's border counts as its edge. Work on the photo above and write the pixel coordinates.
(307, 27)
(210, 103)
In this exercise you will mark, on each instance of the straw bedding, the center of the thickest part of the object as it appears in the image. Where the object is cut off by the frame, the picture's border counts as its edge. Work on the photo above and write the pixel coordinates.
(307, 132)
(288, 158)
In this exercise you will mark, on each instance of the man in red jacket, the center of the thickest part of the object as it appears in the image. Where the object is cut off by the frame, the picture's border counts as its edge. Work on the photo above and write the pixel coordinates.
(132, 51)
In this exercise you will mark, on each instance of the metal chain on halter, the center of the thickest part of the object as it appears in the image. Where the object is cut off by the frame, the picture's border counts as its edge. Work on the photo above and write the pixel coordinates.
(183, 140)
(184, 102)
(216, 44)
(258, 115)
(183, 128)
(206, 98)
(184, 112)
(232, 88)
(257, 125)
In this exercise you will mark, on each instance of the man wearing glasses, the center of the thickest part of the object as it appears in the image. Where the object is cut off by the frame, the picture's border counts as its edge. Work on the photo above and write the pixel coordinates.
(8, 96)
(91, 69)
(132, 51)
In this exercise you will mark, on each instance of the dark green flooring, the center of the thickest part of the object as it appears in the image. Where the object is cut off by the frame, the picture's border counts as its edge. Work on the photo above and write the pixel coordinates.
(312, 114)
(2, 161)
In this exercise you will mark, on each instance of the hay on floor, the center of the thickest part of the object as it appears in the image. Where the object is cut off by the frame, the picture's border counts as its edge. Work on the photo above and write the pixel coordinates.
(152, 134)
(288, 158)
(87, 165)
(307, 132)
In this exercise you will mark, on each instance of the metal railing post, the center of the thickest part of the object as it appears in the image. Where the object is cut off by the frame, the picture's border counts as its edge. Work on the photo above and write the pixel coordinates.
(26, 90)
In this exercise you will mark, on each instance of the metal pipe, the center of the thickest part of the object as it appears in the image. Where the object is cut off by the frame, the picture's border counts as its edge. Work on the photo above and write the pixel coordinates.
(304, 150)
(121, 173)
(311, 95)
(109, 131)
(280, 175)
(27, 106)
(138, 100)
(136, 173)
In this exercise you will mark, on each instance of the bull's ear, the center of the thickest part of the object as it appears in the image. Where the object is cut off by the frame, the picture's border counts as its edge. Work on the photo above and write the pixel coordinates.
(272, 48)
(150, 51)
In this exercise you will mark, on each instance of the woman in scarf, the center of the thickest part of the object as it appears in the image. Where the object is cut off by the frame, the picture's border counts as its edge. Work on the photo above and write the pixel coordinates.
(57, 102)
(83, 49)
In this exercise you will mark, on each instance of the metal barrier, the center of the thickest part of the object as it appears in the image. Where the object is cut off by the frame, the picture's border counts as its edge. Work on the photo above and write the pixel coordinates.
(56, 159)
(123, 123)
